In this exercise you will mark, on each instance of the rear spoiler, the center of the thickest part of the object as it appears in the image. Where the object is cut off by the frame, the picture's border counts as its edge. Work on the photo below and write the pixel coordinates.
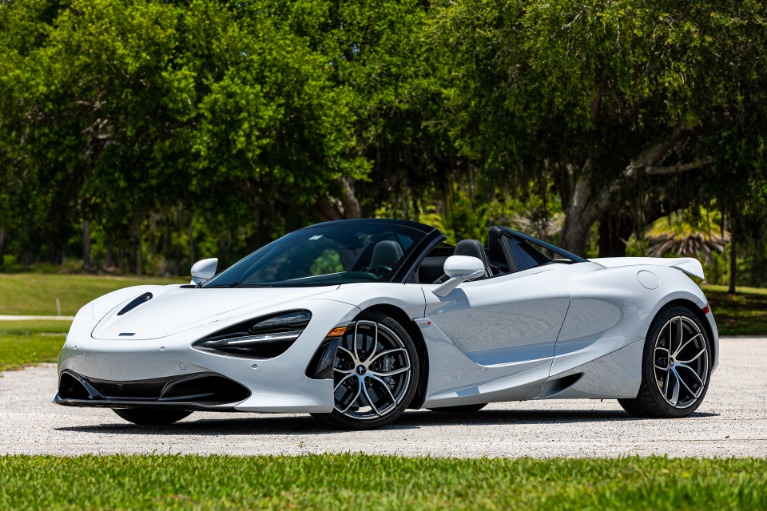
(688, 265)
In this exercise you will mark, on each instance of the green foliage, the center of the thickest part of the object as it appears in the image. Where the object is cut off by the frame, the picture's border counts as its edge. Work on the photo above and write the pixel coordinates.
(717, 269)
(334, 482)
(126, 113)
(140, 135)
(697, 235)
(595, 95)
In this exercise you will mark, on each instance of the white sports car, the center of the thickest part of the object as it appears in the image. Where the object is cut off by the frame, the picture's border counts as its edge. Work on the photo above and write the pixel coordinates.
(355, 321)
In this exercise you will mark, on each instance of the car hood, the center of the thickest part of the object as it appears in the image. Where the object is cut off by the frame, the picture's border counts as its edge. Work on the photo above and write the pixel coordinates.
(174, 309)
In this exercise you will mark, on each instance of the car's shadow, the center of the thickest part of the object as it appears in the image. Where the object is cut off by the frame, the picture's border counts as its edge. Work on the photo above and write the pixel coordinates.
(306, 425)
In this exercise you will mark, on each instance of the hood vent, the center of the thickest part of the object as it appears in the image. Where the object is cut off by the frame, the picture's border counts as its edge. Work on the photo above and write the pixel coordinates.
(135, 303)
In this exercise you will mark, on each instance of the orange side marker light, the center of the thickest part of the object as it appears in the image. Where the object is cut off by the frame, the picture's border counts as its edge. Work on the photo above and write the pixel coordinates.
(337, 331)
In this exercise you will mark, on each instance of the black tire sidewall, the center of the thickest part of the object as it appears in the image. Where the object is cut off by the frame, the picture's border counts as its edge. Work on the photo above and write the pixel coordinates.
(648, 371)
(337, 419)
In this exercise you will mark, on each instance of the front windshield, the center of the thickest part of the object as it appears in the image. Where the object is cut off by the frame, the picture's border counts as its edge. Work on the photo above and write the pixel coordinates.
(325, 254)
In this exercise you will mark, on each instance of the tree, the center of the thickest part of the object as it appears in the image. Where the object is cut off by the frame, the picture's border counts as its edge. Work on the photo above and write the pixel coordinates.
(375, 54)
(599, 94)
(129, 109)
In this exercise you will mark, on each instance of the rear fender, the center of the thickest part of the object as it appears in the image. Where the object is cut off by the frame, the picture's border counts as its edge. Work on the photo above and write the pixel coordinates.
(688, 265)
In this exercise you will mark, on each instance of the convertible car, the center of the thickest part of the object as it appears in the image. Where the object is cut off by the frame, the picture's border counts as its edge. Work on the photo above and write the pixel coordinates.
(355, 321)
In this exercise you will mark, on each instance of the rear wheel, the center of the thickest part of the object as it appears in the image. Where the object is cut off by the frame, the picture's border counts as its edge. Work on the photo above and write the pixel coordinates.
(151, 417)
(676, 365)
(375, 374)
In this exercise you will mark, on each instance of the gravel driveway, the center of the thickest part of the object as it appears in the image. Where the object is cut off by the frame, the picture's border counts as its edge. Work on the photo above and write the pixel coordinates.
(731, 422)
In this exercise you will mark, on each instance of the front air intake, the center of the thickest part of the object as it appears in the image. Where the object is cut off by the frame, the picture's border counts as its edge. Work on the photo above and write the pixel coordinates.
(72, 388)
(201, 389)
(209, 389)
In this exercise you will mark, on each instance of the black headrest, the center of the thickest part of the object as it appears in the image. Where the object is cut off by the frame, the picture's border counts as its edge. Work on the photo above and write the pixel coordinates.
(469, 248)
(473, 248)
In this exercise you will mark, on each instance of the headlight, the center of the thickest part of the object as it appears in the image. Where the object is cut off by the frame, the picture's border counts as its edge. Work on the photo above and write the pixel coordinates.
(259, 338)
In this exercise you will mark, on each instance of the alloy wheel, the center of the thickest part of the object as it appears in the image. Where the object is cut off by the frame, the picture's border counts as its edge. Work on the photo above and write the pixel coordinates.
(680, 362)
(372, 371)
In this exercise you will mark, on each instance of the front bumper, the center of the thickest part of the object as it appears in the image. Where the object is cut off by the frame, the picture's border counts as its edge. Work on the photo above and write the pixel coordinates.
(169, 373)
(201, 391)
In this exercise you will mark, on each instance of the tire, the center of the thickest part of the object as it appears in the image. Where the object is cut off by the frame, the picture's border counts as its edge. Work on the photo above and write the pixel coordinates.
(375, 374)
(676, 366)
(151, 416)
(460, 409)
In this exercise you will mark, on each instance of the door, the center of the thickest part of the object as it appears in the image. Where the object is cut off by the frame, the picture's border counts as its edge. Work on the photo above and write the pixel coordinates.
(494, 338)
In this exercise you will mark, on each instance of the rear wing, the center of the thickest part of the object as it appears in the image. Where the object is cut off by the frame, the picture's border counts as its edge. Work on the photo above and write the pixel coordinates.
(688, 265)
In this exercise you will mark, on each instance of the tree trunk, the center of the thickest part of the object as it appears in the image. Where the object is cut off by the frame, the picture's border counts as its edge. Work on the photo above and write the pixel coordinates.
(586, 205)
(614, 229)
(121, 257)
(347, 206)
(349, 199)
(733, 259)
(192, 251)
(136, 249)
(580, 215)
(575, 233)
(108, 261)
(86, 245)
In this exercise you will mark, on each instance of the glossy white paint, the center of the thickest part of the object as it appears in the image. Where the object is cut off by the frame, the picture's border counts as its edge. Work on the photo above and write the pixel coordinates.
(686, 264)
(506, 325)
(508, 337)
(459, 269)
(275, 384)
(175, 309)
(204, 270)
(648, 279)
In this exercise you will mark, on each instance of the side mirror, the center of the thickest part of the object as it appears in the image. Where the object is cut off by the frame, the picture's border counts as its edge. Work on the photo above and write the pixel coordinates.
(203, 270)
(459, 269)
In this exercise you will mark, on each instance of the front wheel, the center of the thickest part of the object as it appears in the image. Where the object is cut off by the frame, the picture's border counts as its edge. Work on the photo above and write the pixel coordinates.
(151, 417)
(375, 374)
(676, 366)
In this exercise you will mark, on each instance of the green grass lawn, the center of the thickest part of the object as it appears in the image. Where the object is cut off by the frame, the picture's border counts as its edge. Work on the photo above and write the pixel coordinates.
(19, 350)
(36, 293)
(34, 326)
(30, 342)
(359, 482)
(744, 313)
